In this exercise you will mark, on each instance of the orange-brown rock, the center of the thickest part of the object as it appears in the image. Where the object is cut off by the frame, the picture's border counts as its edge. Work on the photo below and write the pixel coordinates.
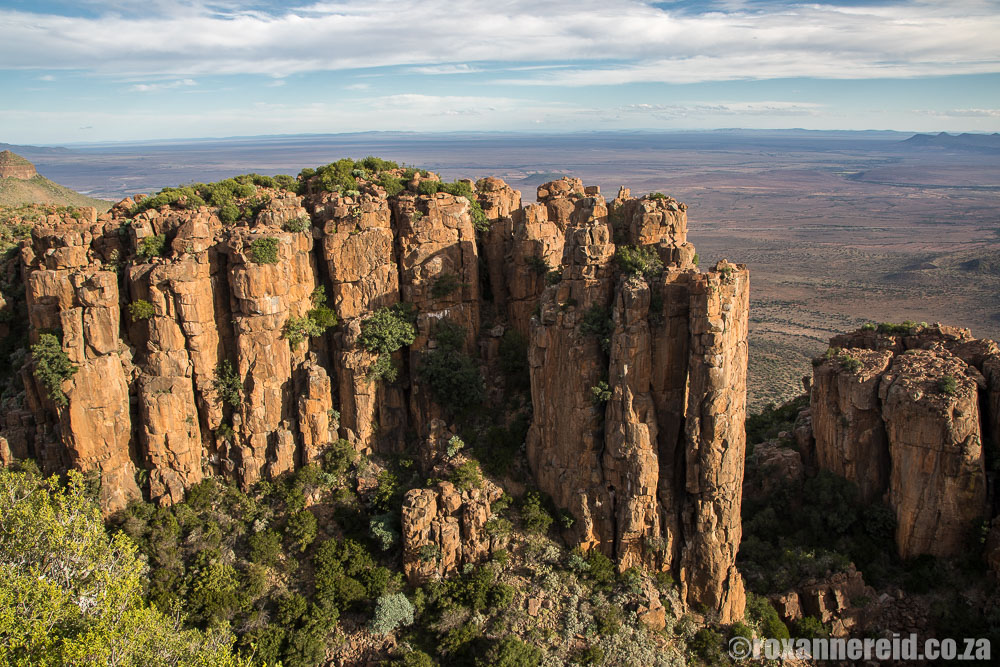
(848, 428)
(445, 528)
(938, 484)
(660, 483)
(637, 383)
(921, 442)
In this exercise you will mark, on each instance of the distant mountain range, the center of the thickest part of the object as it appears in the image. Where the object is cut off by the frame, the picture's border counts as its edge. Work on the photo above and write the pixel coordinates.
(988, 143)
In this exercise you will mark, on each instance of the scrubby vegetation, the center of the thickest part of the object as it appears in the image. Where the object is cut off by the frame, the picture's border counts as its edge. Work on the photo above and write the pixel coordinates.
(803, 530)
(459, 189)
(70, 594)
(635, 261)
(314, 323)
(233, 198)
(52, 366)
(228, 385)
(451, 375)
(140, 309)
(264, 250)
(151, 246)
(387, 330)
(597, 322)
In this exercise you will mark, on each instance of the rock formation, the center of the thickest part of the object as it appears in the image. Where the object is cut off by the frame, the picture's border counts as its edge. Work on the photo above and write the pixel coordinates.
(181, 328)
(904, 412)
(15, 166)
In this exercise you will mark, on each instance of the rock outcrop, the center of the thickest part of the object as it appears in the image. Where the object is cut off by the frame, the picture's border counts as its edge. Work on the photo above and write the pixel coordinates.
(13, 165)
(639, 389)
(904, 413)
(195, 355)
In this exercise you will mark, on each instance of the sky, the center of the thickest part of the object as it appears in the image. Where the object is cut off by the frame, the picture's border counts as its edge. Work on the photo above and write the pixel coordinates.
(124, 70)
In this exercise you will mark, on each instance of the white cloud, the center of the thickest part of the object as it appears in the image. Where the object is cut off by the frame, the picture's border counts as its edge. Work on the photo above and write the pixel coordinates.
(167, 85)
(965, 113)
(445, 69)
(358, 86)
(904, 39)
(699, 109)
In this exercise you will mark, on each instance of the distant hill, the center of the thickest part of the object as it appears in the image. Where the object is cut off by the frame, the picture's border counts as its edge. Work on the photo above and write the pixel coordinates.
(981, 143)
(21, 184)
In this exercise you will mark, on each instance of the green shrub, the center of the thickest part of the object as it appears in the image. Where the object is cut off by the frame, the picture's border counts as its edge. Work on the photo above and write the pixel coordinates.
(948, 385)
(317, 320)
(512, 652)
(225, 432)
(467, 476)
(141, 309)
(769, 623)
(297, 225)
(906, 328)
(387, 330)
(382, 529)
(810, 627)
(445, 284)
(597, 322)
(639, 261)
(339, 457)
(600, 394)
(229, 214)
(265, 547)
(708, 645)
(656, 195)
(387, 492)
(455, 445)
(534, 517)
(151, 246)
(264, 250)
(538, 264)
(452, 377)
(382, 369)
(52, 366)
(391, 612)
(392, 185)
(228, 385)
(301, 529)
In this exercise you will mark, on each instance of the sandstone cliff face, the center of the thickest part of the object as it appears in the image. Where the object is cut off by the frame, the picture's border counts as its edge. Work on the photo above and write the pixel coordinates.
(653, 477)
(637, 382)
(904, 414)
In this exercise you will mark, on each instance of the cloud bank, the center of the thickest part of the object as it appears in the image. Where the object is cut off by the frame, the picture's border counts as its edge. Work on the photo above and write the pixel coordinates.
(603, 42)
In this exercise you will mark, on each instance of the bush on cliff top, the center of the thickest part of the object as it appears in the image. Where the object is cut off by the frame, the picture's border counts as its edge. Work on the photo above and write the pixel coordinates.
(229, 195)
(52, 366)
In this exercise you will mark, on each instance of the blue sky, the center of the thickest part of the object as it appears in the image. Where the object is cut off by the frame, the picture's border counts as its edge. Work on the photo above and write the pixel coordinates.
(127, 70)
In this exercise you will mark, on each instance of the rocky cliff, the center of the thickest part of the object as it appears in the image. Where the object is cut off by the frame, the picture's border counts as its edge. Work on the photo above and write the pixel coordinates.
(196, 342)
(907, 412)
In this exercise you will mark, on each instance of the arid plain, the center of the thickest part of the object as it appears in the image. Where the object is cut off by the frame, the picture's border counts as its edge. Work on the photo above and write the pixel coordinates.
(838, 229)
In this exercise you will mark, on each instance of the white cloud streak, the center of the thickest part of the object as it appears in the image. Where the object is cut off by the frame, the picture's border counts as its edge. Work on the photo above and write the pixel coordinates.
(168, 85)
(903, 39)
